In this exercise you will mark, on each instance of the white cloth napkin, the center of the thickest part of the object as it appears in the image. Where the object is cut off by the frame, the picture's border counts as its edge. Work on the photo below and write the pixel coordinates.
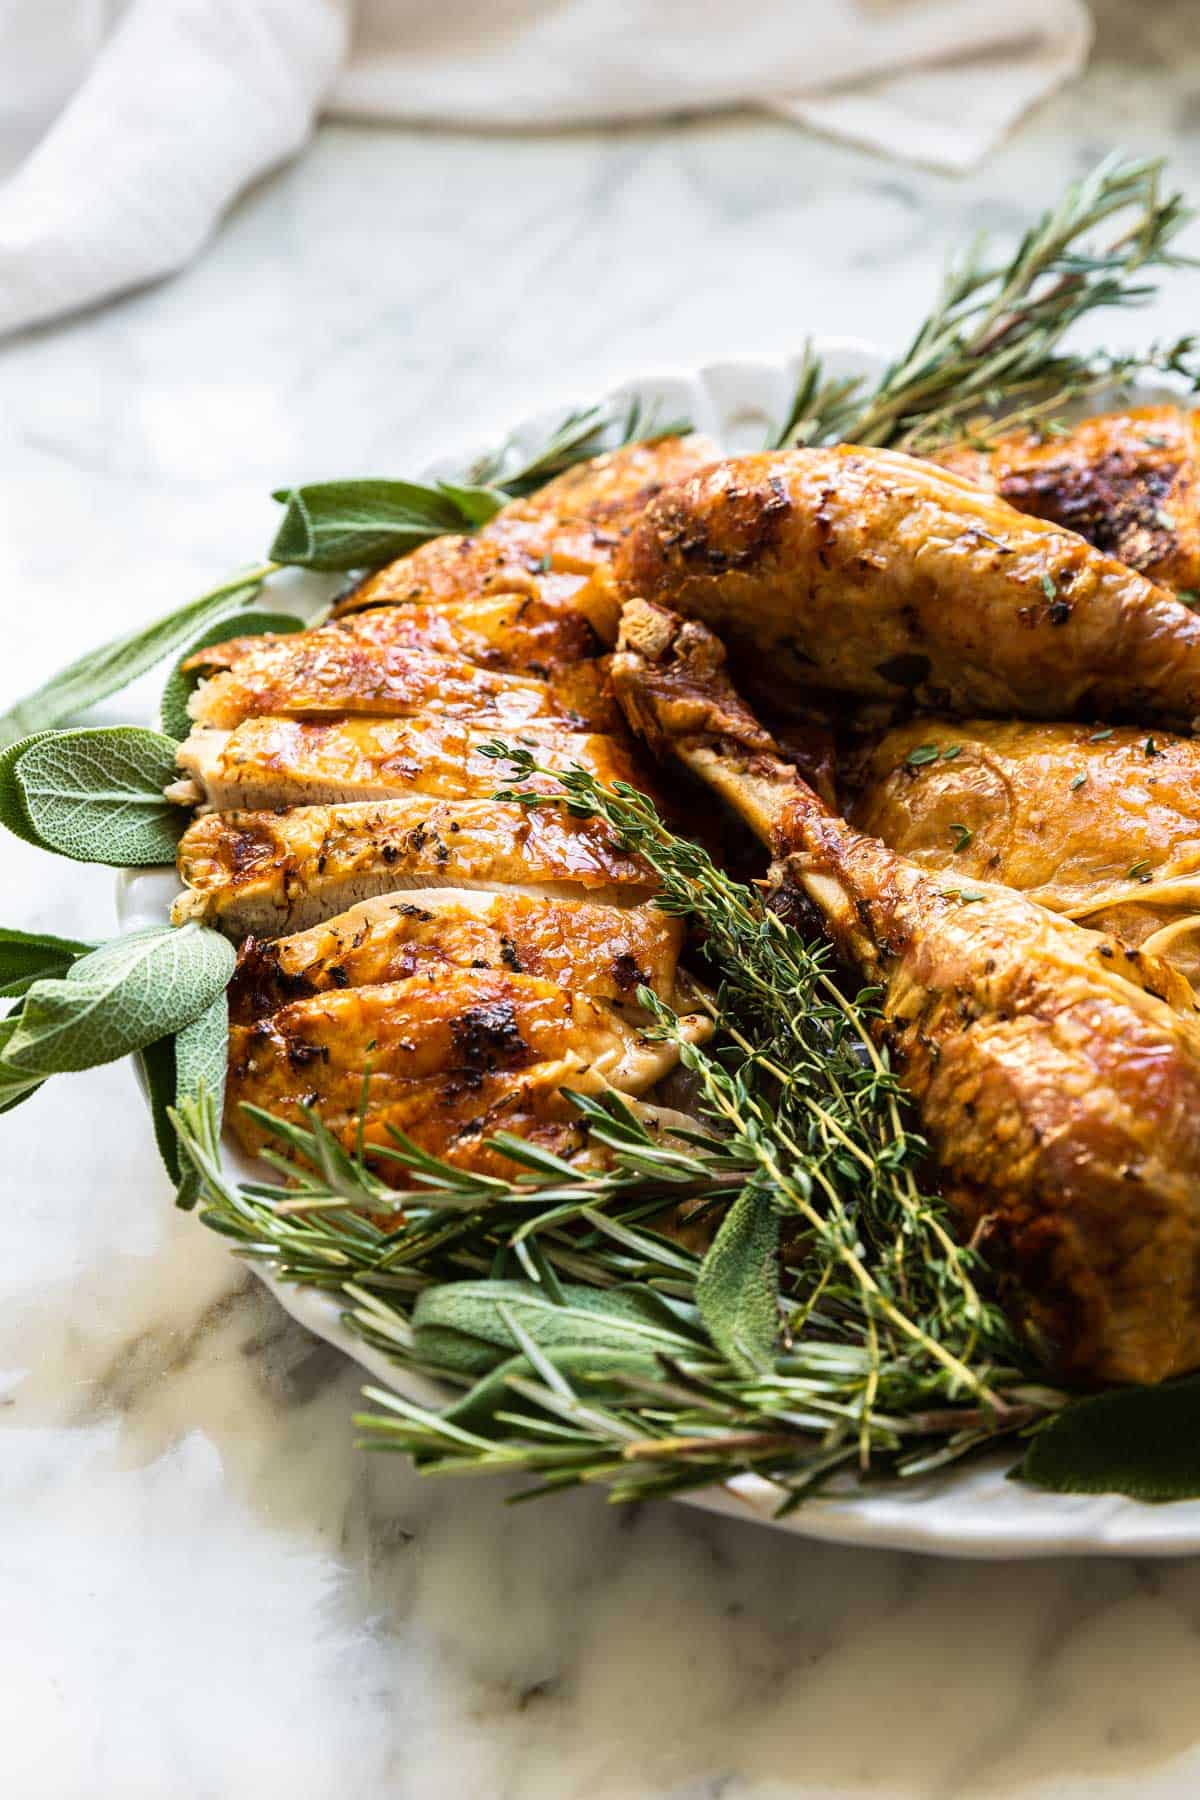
(129, 125)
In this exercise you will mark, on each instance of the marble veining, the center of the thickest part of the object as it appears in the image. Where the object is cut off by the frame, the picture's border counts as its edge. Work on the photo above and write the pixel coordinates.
(207, 1592)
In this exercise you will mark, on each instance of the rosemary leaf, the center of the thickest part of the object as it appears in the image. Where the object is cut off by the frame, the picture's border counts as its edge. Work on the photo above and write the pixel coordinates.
(588, 431)
(986, 360)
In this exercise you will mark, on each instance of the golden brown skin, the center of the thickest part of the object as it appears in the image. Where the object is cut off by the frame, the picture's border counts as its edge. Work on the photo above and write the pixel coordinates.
(1056, 1074)
(532, 633)
(269, 762)
(868, 573)
(567, 528)
(449, 1056)
(603, 952)
(1124, 481)
(1056, 811)
(325, 672)
(490, 952)
(266, 872)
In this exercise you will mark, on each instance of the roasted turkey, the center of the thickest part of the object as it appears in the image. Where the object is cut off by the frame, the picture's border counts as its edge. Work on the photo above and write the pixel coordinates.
(460, 960)
(468, 959)
(1056, 1074)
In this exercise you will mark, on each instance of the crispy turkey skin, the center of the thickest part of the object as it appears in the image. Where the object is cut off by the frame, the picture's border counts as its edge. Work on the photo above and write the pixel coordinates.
(1056, 1075)
(268, 762)
(448, 1056)
(874, 575)
(1124, 481)
(603, 952)
(327, 673)
(466, 957)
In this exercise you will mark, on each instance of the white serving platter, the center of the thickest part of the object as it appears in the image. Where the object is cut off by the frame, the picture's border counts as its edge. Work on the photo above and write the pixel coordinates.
(971, 1511)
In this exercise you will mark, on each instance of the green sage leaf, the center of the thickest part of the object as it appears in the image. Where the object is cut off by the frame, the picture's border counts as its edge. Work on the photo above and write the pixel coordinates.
(15, 1084)
(13, 814)
(180, 683)
(157, 1064)
(29, 956)
(114, 665)
(461, 1325)
(1142, 1441)
(178, 1068)
(737, 1289)
(97, 795)
(120, 998)
(363, 524)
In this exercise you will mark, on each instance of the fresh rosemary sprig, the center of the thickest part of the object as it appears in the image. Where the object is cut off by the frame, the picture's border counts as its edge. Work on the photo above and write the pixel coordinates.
(990, 345)
(881, 1351)
(588, 431)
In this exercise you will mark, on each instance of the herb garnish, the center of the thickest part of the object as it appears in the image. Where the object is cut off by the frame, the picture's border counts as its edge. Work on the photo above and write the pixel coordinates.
(870, 1343)
(990, 343)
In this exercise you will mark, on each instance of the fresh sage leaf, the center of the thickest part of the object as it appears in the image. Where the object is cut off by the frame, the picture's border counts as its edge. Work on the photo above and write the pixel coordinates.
(157, 1064)
(13, 814)
(201, 1054)
(179, 1068)
(737, 1289)
(114, 665)
(476, 505)
(119, 998)
(461, 1325)
(363, 524)
(180, 682)
(97, 795)
(28, 956)
(1140, 1441)
(15, 1084)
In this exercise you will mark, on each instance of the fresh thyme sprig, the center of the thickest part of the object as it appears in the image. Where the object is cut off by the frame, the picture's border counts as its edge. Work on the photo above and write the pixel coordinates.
(990, 345)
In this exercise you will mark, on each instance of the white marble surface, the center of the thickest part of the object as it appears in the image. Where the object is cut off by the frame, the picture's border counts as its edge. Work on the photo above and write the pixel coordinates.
(205, 1591)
